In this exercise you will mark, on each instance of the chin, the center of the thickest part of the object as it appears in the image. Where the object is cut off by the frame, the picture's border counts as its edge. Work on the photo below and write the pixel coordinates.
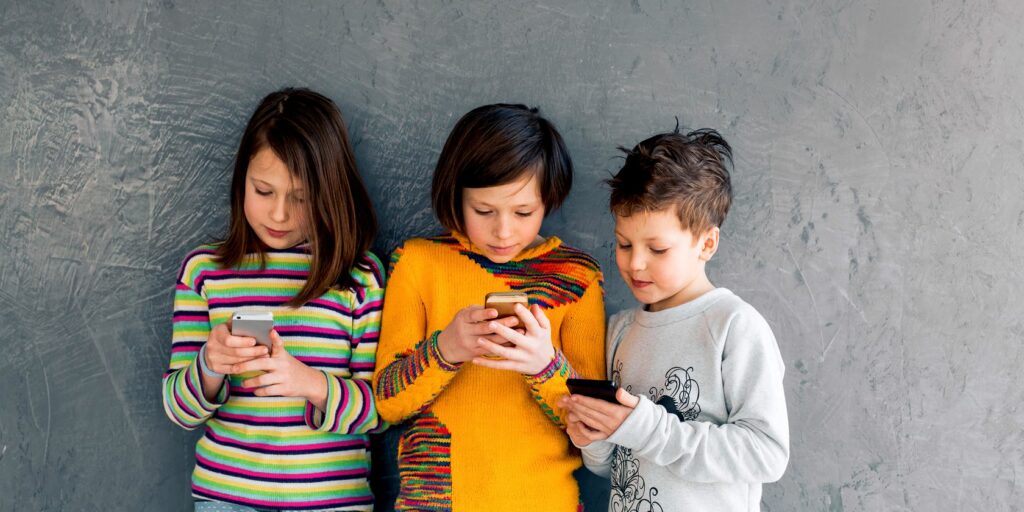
(499, 259)
(277, 243)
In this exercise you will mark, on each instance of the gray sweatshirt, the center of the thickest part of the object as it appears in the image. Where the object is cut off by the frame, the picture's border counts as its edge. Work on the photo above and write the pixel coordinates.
(711, 424)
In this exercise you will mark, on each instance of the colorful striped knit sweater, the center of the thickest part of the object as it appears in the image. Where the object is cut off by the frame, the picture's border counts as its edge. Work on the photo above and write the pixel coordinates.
(279, 452)
(483, 439)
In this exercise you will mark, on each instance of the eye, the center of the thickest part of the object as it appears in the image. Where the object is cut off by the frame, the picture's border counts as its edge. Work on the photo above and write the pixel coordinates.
(482, 212)
(299, 200)
(524, 214)
(624, 247)
(263, 192)
(658, 251)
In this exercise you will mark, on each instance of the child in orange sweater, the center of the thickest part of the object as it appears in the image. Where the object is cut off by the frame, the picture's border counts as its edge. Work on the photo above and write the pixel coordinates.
(484, 428)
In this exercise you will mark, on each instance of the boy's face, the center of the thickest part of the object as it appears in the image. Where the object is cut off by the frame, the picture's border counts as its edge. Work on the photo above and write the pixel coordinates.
(662, 263)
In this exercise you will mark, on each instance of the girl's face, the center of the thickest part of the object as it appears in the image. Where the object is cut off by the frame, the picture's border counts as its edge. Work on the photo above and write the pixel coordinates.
(503, 220)
(274, 201)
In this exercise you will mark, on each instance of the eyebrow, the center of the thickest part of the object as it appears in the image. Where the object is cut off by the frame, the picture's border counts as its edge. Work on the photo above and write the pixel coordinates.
(649, 239)
(294, 190)
(489, 205)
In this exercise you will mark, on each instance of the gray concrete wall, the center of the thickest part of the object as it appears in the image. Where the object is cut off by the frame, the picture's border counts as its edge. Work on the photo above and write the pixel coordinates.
(878, 220)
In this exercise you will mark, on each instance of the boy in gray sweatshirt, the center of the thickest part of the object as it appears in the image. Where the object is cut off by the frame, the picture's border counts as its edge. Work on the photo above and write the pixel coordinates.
(701, 420)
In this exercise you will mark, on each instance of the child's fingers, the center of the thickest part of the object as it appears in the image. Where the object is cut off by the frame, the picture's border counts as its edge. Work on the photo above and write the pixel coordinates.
(245, 353)
(224, 358)
(498, 340)
(595, 418)
(272, 390)
(596, 404)
(526, 316)
(490, 347)
(238, 341)
(254, 365)
(593, 435)
(507, 333)
(542, 319)
(277, 344)
(480, 329)
(261, 381)
(625, 398)
(475, 314)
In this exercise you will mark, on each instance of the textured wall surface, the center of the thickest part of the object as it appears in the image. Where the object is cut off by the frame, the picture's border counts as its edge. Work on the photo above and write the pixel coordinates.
(878, 182)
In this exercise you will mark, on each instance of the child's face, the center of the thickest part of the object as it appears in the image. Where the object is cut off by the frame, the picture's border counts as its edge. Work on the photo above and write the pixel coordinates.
(662, 263)
(274, 201)
(503, 220)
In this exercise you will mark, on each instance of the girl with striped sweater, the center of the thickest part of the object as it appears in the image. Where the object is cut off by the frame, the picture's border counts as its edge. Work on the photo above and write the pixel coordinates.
(284, 427)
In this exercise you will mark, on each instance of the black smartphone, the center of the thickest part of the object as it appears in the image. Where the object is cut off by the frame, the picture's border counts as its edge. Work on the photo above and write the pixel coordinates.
(601, 389)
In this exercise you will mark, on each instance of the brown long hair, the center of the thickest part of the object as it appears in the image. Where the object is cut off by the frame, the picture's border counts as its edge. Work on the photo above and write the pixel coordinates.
(305, 130)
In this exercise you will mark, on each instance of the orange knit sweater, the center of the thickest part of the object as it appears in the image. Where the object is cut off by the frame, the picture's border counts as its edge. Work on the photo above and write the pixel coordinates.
(483, 439)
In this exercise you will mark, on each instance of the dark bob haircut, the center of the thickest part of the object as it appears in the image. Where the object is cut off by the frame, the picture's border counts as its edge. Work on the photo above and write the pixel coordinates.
(684, 171)
(495, 145)
(306, 131)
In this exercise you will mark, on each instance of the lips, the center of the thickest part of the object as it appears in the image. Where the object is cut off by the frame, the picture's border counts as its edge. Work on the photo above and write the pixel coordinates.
(640, 284)
(504, 251)
(277, 234)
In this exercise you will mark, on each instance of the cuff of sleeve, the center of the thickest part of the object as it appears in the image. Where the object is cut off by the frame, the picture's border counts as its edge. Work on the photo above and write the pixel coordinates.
(315, 417)
(434, 353)
(198, 367)
(206, 369)
(637, 428)
(558, 365)
(596, 456)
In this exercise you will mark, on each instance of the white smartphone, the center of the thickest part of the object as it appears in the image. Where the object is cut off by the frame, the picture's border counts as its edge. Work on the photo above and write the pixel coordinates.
(253, 325)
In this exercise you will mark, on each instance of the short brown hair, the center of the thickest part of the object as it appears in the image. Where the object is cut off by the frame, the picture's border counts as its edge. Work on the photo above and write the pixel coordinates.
(306, 131)
(495, 145)
(672, 169)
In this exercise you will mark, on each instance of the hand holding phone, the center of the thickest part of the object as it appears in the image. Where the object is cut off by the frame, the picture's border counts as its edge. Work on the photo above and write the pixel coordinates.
(591, 420)
(253, 325)
(226, 347)
(600, 389)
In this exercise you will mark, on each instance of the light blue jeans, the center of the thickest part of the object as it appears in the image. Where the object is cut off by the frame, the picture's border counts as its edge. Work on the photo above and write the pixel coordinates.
(217, 506)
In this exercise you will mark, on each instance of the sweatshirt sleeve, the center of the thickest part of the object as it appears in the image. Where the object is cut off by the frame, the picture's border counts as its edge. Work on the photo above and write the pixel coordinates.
(411, 372)
(752, 445)
(581, 356)
(183, 398)
(351, 407)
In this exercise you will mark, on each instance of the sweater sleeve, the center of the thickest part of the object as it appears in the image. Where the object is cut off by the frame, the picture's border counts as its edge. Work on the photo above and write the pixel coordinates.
(183, 398)
(751, 446)
(411, 372)
(350, 406)
(582, 353)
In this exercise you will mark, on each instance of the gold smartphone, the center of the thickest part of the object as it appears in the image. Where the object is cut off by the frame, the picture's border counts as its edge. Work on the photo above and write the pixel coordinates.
(505, 303)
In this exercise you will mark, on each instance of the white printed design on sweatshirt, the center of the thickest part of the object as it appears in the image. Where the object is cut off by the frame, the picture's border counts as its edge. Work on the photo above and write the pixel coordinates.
(629, 492)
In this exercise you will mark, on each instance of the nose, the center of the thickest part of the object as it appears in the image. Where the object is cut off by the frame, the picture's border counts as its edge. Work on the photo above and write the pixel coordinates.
(503, 227)
(279, 210)
(637, 261)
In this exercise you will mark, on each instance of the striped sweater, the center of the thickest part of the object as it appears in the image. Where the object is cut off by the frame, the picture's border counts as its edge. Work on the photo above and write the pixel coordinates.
(480, 439)
(279, 452)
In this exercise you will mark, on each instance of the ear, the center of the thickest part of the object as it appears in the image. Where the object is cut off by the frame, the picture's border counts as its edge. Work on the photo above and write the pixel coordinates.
(709, 244)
